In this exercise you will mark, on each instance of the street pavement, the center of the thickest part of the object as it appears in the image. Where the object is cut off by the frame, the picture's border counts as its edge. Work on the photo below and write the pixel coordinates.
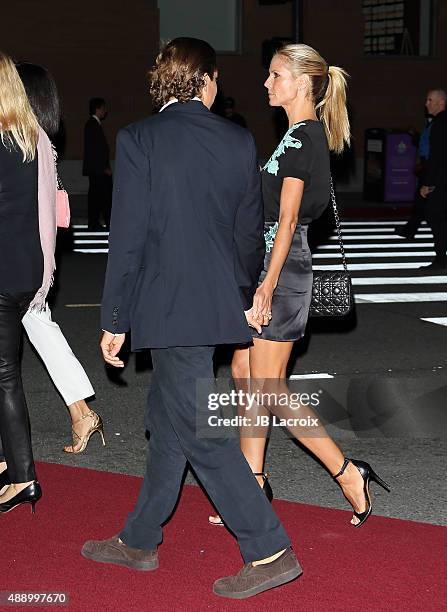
(386, 367)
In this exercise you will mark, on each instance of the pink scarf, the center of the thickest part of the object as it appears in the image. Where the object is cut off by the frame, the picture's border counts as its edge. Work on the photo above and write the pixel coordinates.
(46, 189)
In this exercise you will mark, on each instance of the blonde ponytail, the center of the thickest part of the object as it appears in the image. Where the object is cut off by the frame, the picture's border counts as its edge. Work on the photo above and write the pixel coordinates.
(327, 90)
(332, 110)
(18, 124)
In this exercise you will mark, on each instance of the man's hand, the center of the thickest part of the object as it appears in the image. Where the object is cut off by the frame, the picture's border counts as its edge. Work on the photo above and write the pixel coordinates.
(426, 190)
(257, 321)
(110, 346)
(252, 321)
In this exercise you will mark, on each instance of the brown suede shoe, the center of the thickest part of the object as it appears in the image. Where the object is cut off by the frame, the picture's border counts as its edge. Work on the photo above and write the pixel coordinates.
(116, 552)
(252, 580)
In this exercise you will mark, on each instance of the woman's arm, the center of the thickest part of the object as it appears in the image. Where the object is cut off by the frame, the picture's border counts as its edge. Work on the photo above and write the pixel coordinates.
(290, 202)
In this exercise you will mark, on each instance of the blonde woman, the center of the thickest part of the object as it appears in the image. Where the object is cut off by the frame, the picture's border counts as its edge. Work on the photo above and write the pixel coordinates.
(296, 190)
(27, 238)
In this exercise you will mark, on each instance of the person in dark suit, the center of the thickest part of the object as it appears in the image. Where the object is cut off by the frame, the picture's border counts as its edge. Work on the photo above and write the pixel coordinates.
(410, 229)
(435, 187)
(186, 250)
(97, 166)
(231, 114)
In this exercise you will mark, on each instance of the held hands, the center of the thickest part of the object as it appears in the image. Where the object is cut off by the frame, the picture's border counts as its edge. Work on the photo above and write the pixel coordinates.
(261, 311)
(110, 346)
(252, 321)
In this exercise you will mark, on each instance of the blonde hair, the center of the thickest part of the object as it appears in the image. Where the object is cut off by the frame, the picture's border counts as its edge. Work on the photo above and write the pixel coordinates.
(327, 89)
(18, 124)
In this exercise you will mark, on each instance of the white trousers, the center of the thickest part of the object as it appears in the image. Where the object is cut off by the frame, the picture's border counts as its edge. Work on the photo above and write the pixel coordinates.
(64, 369)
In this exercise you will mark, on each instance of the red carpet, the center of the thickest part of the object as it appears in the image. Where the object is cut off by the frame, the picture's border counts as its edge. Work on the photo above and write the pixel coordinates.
(387, 565)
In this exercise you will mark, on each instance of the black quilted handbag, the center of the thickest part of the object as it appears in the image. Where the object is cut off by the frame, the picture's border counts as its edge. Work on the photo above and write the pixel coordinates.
(332, 291)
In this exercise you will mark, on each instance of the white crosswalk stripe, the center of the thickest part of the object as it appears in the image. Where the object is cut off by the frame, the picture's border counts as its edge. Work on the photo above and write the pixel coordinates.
(420, 236)
(379, 261)
(395, 280)
(437, 320)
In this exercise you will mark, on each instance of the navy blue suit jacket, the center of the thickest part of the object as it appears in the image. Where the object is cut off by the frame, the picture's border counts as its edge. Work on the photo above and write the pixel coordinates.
(186, 244)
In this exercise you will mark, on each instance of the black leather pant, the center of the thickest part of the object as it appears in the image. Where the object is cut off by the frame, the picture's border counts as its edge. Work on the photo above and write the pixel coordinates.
(15, 433)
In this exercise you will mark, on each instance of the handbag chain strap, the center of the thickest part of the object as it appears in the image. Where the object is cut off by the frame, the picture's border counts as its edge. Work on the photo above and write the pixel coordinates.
(338, 226)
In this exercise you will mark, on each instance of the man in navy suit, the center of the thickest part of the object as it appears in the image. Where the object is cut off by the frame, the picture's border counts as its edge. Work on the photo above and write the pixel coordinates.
(186, 250)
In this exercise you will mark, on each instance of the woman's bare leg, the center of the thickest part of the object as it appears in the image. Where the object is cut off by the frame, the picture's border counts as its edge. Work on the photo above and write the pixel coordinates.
(268, 360)
(253, 447)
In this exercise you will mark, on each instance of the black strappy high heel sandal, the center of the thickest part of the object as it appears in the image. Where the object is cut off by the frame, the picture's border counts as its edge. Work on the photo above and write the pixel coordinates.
(265, 487)
(368, 474)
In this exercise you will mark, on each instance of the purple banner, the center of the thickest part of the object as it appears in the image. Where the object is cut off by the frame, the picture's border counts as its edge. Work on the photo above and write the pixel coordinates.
(400, 160)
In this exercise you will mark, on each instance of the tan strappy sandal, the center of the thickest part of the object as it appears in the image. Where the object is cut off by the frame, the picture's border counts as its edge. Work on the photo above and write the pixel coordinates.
(97, 425)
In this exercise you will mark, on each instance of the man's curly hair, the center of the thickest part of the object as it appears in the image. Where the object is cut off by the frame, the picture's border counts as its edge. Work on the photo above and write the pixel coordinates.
(180, 69)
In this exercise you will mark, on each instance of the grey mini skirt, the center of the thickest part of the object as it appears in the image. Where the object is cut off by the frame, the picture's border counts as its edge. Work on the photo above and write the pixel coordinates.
(292, 296)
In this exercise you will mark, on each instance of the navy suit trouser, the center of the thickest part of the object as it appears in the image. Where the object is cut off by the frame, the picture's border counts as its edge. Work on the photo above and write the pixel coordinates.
(218, 462)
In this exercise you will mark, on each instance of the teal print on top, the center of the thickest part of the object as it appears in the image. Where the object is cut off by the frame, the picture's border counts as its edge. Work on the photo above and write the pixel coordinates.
(269, 237)
(272, 166)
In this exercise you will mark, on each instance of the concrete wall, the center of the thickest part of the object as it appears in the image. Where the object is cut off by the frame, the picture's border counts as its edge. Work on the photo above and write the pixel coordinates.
(242, 76)
(105, 49)
(383, 91)
(100, 48)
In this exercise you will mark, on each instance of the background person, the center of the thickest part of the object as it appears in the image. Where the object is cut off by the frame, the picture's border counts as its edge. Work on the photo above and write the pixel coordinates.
(410, 229)
(435, 188)
(97, 166)
(231, 114)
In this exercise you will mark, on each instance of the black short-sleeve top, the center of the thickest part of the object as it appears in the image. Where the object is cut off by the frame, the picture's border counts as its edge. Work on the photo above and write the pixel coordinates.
(303, 153)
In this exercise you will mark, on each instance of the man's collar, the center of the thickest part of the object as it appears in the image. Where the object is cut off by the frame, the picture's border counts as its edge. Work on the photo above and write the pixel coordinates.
(97, 119)
(173, 100)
